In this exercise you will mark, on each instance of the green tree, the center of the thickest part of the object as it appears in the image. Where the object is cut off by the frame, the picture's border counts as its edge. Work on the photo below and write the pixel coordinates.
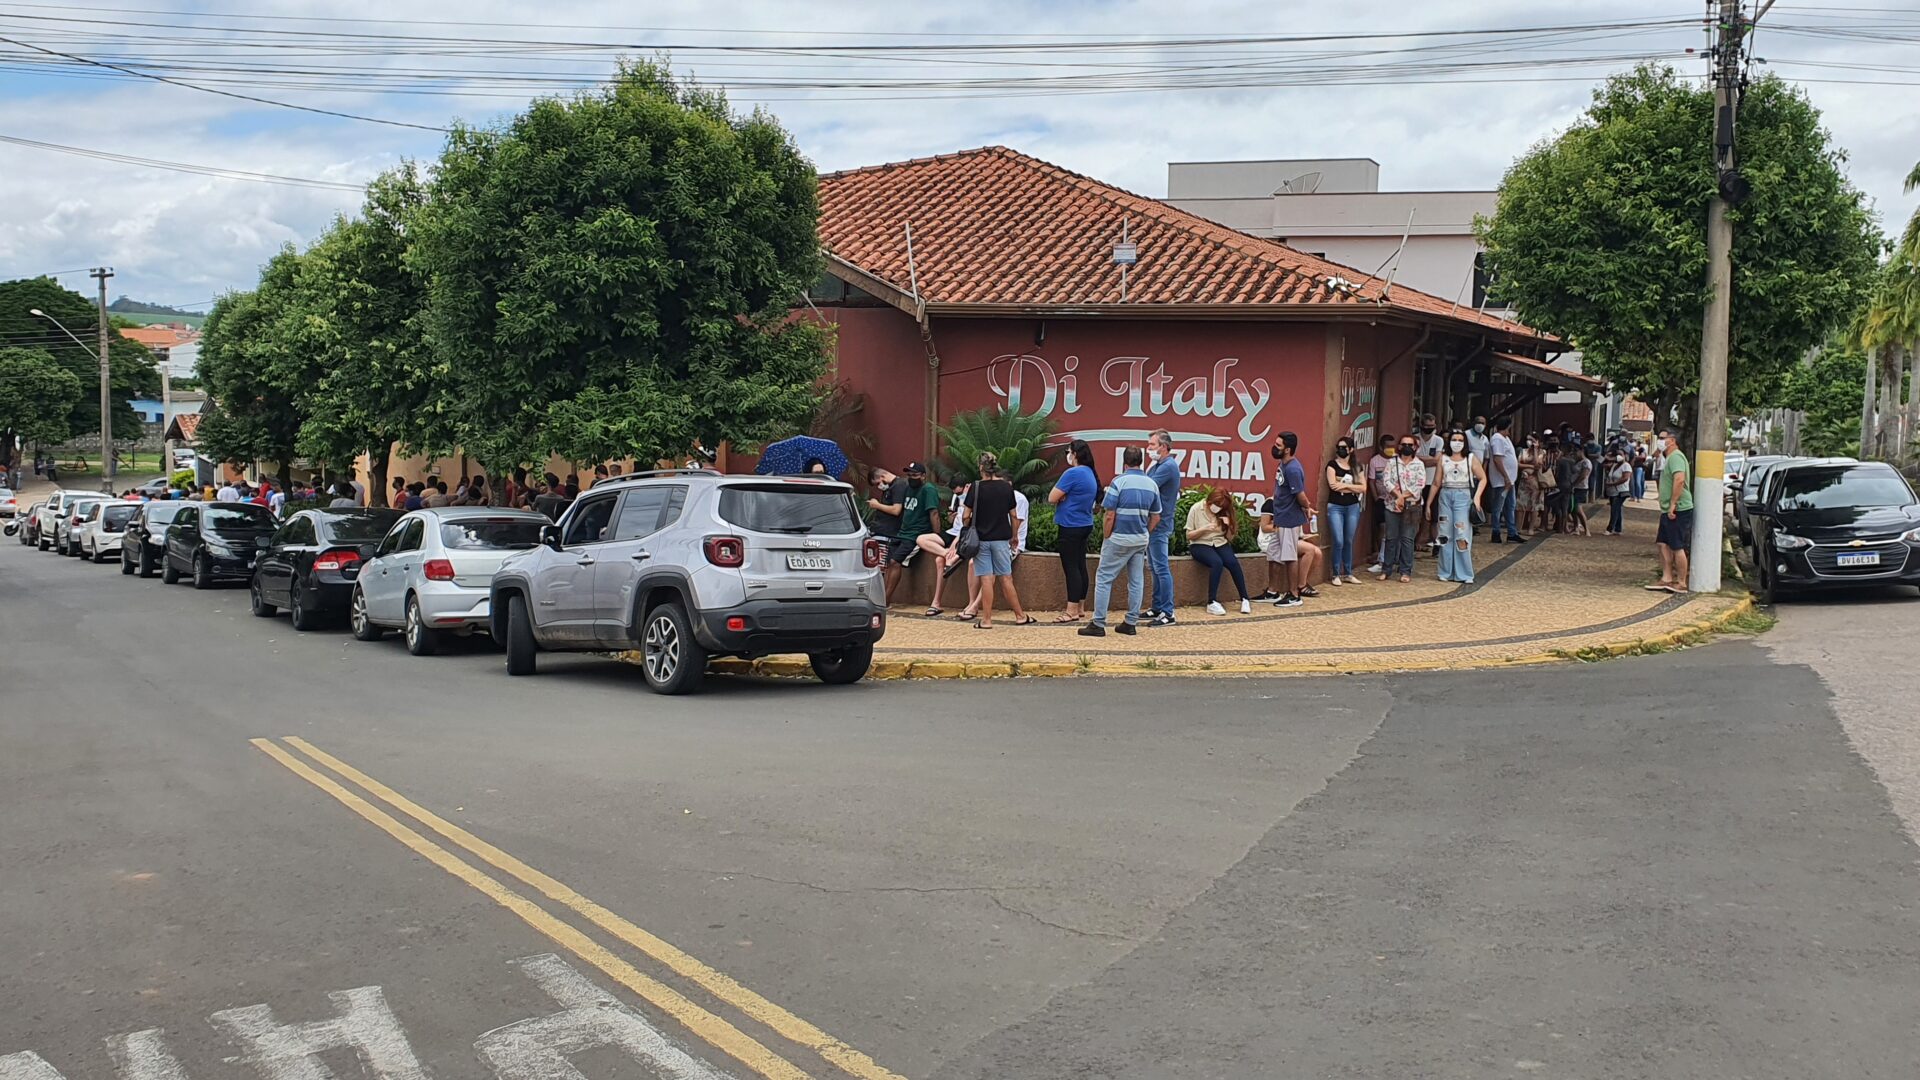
(1827, 389)
(130, 364)
(1599, 236)
(610, 275)
(1017, 440)
(363, 324)
(257, 361)
(37, 396)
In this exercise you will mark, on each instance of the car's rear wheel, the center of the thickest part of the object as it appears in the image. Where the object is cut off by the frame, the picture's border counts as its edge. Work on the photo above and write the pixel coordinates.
(146, 562)
(202, 572)
(259, 605)
(168, 575)
(98, 555)
(519, 644)
(672, 661)
(304, 618)
(364, 629)
(843, 666)
(43, 544)
(422, 640)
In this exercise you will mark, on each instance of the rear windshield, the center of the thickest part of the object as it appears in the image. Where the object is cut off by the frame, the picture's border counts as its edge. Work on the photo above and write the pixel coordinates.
(357, 528)
(1843, 488)
(789, 508)
(117, 514)
(231, 516)
(6, 493)
(482, 534)
(159, 513)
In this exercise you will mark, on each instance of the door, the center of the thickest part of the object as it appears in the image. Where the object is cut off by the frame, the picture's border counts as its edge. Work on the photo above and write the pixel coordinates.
(183, 536)
(645, 511)
(279, 568)
(385, 583)
(563, 601)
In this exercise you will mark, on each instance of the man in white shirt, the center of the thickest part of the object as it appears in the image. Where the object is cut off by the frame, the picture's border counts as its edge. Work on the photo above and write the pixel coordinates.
(227, 493)
(1431, 445)
(1503, 478)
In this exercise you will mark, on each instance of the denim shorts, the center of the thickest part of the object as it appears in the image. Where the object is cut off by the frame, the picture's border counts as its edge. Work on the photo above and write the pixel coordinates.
(995, 559)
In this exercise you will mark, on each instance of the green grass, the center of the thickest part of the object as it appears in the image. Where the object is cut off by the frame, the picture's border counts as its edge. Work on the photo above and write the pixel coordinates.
(1083, 661)
(134, 469)
(1751, 621)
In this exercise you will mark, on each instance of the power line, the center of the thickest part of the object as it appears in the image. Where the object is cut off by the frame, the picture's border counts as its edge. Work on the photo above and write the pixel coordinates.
(218, 172)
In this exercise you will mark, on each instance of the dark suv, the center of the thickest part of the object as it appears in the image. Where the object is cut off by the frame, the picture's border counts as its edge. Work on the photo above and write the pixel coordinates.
(146, 538)
(216, 542)
(686, 564)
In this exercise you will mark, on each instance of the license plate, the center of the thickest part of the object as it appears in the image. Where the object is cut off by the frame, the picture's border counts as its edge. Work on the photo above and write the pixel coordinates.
(1858, 558)
(809, 562)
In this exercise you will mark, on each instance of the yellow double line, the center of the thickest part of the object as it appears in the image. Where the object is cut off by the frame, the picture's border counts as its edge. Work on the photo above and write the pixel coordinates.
(702, 1023)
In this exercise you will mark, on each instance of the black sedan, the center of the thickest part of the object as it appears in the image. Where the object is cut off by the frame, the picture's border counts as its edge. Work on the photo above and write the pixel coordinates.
(313, 561)
(146, 537)
(1835, 525)
(215, 542)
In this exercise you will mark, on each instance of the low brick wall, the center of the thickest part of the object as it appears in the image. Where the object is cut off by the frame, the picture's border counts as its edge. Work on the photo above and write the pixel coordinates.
(1042, 587)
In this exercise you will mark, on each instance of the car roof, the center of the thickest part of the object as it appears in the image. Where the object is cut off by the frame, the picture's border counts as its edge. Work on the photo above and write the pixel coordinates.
(450, 513)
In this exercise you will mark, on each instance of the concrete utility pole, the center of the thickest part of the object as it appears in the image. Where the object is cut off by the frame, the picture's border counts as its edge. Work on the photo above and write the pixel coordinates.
(1710, 441)
(107, 471)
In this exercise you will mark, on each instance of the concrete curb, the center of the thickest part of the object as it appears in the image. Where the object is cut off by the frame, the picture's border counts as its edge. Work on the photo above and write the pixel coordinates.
(795, 668)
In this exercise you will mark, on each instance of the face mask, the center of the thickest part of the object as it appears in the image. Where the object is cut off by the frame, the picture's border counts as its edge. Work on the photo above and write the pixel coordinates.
(1343, 449)
(1456, 444)
(1479, 429)
(1407, 450)
(1428, 428)
(1275, 451)
(1389, 451)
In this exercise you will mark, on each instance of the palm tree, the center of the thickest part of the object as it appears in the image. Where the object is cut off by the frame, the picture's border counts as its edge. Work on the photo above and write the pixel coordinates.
(1890, 325)
(1017, 439)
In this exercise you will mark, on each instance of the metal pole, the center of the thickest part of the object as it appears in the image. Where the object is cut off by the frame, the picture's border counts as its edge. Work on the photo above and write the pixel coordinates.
(1710, 435)
(107, 470)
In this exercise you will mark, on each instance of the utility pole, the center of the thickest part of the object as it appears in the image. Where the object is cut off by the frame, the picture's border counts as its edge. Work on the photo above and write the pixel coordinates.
(107, 471)
(1710, 441)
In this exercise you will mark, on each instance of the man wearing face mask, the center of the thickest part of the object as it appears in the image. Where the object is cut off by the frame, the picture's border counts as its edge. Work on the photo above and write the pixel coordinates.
(1429, 451)
(1376, 481)
(1164, 471)
(1291, 508)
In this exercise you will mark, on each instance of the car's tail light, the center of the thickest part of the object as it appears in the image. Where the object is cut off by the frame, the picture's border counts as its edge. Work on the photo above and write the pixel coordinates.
(336, 560)
(438, 570)
(736, 623)
(726, 550)
(871, 552)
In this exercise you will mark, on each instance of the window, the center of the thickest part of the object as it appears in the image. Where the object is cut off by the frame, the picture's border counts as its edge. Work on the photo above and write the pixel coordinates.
(242, 516)
(187, 518)
(640, 515)
(303, 532)
(1845, 488)
(286, 533)
(789, 508)
(412, 533)
(1482, 279)
(675, 501)
(395, 537)
(118, 514)
(362, 528)
(588, 525)
(489, 534)
(161, 513)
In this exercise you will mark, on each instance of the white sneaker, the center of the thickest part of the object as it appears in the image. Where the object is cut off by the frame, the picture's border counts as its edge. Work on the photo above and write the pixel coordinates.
(1376, 568)
(1351, 580)
(1246, 606)
(1336, 581)
(1214, 608)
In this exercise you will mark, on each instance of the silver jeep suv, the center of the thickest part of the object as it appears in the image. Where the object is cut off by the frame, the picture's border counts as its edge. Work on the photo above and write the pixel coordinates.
(685, 564)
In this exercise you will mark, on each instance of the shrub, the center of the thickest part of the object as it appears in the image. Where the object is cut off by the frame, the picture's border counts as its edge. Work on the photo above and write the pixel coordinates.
(182, 479)
(1247, 527)
(1017, 439)
(1042, 533)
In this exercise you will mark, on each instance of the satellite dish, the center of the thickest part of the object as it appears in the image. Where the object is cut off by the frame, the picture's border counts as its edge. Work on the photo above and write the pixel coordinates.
(1304, 184)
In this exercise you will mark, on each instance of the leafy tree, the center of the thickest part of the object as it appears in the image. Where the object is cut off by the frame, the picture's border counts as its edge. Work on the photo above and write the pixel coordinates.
(609, 276)
(256, 362)
(364, 329)
(130, 364)
(1827, 389)
(37, 396)
(1599, 236)
(1018, 440)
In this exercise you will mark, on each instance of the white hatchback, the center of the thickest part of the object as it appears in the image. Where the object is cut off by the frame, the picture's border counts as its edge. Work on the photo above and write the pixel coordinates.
(103, 525)
(432, 574)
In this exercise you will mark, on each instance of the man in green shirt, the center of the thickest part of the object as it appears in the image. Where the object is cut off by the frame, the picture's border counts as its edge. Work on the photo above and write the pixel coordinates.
(918, 505)
(1676, 516)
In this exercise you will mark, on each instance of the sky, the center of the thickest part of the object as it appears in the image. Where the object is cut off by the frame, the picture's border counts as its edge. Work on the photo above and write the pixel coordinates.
(1109, 88)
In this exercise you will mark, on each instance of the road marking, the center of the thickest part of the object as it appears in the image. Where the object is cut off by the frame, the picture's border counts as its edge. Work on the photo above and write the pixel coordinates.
(715, 982)
(143, 1055)
(734, 1042)
(539, 1048)
(362, 1022)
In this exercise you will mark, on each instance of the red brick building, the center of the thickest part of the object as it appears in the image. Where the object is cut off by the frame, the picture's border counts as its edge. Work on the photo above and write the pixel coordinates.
(990, 278)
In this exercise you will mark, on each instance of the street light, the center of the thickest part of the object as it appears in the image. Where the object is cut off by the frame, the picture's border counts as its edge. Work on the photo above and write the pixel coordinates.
(106, 403)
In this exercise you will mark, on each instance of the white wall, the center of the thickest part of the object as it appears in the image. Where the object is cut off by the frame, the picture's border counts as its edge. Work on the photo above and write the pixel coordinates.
(1230, 179)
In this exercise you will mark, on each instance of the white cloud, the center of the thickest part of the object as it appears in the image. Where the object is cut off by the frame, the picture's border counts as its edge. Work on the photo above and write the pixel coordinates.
(178, 237)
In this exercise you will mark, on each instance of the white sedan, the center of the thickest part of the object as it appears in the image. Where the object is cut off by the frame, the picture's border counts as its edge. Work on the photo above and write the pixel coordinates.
(432, 574)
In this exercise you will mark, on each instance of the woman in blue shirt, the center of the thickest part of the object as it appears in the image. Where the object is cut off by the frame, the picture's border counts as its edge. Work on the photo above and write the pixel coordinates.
(1072, 497)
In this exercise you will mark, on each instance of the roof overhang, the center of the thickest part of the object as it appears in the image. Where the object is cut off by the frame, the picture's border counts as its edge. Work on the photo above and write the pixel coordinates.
(1539, 371)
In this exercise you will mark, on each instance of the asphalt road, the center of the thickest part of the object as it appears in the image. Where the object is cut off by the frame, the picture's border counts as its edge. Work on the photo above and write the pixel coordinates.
(1675, 866)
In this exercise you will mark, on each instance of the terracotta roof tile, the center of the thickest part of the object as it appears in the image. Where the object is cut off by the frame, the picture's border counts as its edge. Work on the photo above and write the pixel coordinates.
(188, 423)
(994, 226)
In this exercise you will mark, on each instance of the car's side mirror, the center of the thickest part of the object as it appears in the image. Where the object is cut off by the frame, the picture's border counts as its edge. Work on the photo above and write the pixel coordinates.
(550, 536)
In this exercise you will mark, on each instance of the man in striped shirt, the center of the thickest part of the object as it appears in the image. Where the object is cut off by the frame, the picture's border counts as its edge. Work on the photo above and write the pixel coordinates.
(1132, 504)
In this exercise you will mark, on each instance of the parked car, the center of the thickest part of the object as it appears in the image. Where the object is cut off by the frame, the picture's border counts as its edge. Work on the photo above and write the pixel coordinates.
(102, 527)
(145, 538)
(9, 504)
(432, 575)
(49, 514)
(155, 488)
(68, 522)
(1737, 472)
(311, 563)
(687, 564)
(1836, 524)
(1752, 491)
(26, 525)
(215, 542)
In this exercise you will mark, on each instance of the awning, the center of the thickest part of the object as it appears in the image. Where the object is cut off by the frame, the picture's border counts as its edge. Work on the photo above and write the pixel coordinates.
(1539, 371)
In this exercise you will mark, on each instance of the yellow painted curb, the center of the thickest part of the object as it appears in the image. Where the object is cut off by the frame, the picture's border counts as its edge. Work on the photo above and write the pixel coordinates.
(929, 669)
(889, 669)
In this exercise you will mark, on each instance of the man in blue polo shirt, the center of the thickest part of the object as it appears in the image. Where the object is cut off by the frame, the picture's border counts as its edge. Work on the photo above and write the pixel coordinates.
(1132, 504)
(1292, 506)
(1165, 474)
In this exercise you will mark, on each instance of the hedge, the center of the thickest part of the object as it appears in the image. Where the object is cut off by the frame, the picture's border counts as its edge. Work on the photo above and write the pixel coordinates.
(1044, 535)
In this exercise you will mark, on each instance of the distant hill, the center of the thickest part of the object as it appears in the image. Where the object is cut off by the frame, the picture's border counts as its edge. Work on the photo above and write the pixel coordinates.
(145, 314)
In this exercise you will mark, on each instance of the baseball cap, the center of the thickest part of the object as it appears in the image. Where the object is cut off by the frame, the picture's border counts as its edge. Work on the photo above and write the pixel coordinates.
(914, 467)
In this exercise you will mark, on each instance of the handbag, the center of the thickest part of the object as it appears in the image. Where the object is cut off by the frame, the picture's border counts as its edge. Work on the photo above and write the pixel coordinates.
(968, 543)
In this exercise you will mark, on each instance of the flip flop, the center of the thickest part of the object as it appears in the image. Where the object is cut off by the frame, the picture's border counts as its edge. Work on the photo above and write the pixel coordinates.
(981, 626)
(1067, 619)
(1659, 586)
(963, 615)
(934, 612)
(1028, 621)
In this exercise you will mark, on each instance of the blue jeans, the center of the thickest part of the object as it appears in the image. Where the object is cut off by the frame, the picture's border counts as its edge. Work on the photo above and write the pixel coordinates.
(1502, 503)
(1344, 521)
(1114, 558)
(1158, 557)
(1402, 526)
(1453, 527)
(1615, 520)
(1639, 482)
(1218, 560)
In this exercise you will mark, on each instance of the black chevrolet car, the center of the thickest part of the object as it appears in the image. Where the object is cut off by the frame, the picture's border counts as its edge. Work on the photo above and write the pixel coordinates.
(215, 542)
(1834, 525)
